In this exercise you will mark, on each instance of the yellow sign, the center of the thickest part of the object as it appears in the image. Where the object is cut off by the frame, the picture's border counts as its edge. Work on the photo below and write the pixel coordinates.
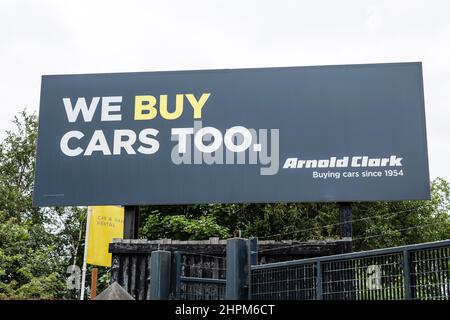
(106, 223)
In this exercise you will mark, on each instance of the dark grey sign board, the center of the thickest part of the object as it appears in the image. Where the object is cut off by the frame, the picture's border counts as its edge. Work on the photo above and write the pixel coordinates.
(296, 134)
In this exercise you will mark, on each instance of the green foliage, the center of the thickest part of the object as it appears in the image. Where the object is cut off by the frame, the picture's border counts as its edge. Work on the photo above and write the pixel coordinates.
(180, 227)
(17, 169)
(104, 278)
(26, 271)
(36, 244)
(375, 224)
(387, 224)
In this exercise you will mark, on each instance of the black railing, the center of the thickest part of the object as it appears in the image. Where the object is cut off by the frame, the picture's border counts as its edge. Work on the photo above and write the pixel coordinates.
(409, 272)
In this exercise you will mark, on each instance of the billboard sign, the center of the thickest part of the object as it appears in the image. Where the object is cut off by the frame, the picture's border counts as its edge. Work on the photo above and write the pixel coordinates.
(295, 134)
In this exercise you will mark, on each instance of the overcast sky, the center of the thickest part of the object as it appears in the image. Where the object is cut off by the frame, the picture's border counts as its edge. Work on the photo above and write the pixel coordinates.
(56, 37)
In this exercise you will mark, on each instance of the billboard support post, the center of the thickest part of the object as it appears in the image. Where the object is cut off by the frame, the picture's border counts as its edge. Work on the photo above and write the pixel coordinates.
(345, 212)
(131, 222)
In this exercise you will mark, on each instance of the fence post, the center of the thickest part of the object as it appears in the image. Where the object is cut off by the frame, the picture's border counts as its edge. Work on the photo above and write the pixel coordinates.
(236, 261)
(160, 275)
(406, 269)
(319, 295)
(252, 252)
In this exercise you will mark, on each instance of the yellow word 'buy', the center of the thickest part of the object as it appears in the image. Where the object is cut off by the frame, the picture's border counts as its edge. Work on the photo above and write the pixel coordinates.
(146, 107)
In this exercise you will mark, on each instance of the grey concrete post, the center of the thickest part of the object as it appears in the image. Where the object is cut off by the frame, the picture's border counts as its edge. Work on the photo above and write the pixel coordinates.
(237, 262)
(160, 275)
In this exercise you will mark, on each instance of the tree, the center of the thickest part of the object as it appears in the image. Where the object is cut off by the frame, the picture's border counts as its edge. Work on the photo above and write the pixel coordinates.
(387, 224)
(36, 244)
(26, 271)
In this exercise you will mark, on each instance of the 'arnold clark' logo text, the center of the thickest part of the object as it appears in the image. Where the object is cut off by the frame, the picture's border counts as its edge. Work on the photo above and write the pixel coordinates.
(344, 162)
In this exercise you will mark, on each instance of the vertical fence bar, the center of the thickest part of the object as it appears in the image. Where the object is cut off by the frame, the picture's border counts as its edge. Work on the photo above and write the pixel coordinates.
(252, 252)
(406, 272)
(319, 295)
(177, 275)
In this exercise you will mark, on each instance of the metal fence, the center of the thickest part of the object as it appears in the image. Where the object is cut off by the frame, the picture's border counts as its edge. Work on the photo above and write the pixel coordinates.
(199, 277)
(409, 272)
(201, 266)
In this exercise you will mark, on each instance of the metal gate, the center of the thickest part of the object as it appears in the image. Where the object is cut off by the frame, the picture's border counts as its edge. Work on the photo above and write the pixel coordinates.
(198, 277)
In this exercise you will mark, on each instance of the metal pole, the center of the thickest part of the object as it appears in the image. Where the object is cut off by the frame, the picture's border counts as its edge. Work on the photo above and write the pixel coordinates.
(86, 240)
(252, 251)
(345, 210)
(319, 293)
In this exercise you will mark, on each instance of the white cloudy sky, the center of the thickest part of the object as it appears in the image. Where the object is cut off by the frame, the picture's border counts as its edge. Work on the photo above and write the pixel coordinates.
(58, 36)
